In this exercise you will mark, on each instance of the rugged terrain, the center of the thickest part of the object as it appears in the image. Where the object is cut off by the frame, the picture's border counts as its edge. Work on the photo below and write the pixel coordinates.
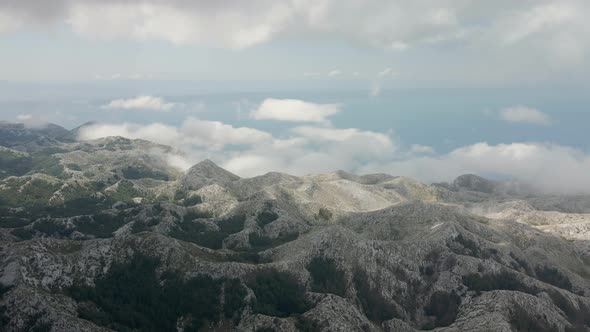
(106, 235)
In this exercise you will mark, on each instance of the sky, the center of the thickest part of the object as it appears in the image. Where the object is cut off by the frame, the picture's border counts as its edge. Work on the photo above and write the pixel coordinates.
(425, 89)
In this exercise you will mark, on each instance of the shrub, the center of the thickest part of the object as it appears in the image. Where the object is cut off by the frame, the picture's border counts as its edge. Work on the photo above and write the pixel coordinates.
(101, 225)
(523, 321)
(326, 277)
(143, 172)
(469, 247)
(501, 281)
(51, 227)
(192, 200)
(130, 297)
(234, 294)
(373, 304)
(325, 214)
(266, 217)
(552, 276)
(22, 233)
(278, 294)
(262, 242)
(232, 224)
(444, 307)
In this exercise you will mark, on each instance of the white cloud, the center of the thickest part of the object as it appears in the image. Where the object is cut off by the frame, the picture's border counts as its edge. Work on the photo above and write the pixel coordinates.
(193, 132)
(140, 103)
(547, 167)
(376, 87)
(523, 114)
(334, 72)
(294, 110)
(421, 149)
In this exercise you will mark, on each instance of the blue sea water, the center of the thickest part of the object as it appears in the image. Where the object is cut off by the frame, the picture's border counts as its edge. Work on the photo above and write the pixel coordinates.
(444, 118)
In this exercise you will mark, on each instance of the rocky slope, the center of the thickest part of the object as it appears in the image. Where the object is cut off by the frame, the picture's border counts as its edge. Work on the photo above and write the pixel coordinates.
(105, 235)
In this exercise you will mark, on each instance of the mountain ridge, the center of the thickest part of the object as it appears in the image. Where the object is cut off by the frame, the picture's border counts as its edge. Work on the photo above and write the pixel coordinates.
(277, 251)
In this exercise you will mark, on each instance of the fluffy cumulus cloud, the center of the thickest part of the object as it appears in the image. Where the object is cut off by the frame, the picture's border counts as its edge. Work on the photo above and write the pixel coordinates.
(212, 135)
(140, 103)
(294, 110)
(522, 114)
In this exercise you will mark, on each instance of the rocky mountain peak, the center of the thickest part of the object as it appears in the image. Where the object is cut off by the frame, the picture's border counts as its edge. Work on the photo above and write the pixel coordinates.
(204, 173)
(474, 182)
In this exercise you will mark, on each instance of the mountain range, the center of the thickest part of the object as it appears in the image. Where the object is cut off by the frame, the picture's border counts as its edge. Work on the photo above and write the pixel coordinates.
(106, 235)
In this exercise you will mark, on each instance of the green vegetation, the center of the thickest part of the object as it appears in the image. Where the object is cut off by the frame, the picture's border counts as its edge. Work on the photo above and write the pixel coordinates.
(74, 167)
(44, 162)
(326, 277)
(262, 242)
(14, 164)
(578, 317)
(373, 304)
(130, 297)
(22, 233)
(325, 214)
(125, 192)
(192, 200)
(52, 228)
(198, 233)
(232, 224)
(234, 294)
(13, 222)
(35, 192)
(143, 172)
(523, 321)
(101, 225)
(500, 281)
(468, 247)
(444, 307)
(193, 214)
(552, 276)
(278, 294)
(266, 217)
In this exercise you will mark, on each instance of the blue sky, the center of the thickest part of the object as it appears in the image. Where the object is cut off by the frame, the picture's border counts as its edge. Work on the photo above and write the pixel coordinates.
(428, 89)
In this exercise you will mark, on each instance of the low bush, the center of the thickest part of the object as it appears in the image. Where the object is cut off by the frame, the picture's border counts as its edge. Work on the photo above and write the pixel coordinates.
(326, 277)
(278, 294)
(373, 304)
(444, 307)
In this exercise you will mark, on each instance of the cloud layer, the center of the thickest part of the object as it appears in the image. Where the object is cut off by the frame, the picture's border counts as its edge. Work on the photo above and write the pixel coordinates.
(294, 110)
(315, 149)
(557, 26)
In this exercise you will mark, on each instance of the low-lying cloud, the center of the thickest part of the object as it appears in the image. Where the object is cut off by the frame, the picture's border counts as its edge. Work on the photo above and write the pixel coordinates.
(140, 103)
(527, 115)
(317, 149)
(294, 110)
